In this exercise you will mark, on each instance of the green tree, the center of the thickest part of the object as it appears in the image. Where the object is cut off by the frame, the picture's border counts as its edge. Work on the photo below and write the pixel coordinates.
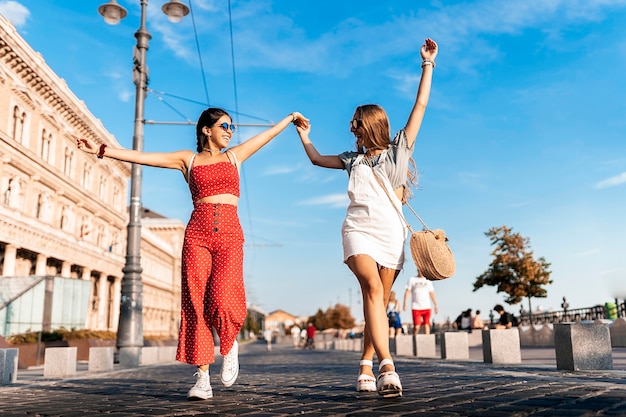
(513, 269)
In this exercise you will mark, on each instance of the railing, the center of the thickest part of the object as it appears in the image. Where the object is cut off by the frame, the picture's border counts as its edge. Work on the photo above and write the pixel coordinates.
(599, 312)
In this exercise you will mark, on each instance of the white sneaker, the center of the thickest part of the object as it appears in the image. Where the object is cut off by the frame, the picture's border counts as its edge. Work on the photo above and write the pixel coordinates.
(202, 390)
(230, 366)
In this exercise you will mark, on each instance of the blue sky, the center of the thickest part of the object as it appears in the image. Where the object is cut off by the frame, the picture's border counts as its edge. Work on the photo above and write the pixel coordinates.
(525, 126)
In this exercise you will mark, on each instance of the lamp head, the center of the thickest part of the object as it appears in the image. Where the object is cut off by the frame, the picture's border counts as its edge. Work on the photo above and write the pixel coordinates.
(175, 10)
(112, 12)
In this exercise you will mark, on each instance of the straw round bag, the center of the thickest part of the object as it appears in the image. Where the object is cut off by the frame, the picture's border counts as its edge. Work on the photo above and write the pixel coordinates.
(431, 254)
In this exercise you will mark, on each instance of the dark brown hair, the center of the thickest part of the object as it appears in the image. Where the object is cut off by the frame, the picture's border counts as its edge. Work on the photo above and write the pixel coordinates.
(208, 118)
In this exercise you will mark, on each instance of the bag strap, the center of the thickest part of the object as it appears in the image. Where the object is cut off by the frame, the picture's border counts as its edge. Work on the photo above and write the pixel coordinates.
(391, 200)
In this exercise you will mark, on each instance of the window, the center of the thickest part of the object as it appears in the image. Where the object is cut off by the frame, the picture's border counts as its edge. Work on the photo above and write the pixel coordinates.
(19, 118)
(46, 141)
(102, 187)
(87, 176)
(67, 162)
(116, 197)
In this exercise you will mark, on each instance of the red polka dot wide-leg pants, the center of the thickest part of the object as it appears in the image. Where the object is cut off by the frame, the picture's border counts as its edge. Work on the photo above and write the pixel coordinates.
(212, 287)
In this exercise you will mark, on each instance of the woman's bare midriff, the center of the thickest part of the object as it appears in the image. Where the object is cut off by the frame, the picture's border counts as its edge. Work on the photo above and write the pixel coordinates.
(218, 199)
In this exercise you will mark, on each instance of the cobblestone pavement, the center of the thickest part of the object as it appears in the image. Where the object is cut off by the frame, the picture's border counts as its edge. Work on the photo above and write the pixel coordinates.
(286, 381)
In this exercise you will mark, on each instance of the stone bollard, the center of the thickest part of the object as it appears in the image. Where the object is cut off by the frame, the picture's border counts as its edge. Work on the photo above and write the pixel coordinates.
(454, 346)
(8, 365)
(618, 333)
(101, 359)
(404, 345)
(149, 355)
(425, 346)
(582, 346)
(501, 346)
(60, 361)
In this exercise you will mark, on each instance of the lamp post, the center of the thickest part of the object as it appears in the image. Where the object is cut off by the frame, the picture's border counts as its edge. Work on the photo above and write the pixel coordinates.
(130, 329)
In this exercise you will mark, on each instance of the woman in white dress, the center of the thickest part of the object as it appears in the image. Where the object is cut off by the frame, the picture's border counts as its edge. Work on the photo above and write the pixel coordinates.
(373, 234)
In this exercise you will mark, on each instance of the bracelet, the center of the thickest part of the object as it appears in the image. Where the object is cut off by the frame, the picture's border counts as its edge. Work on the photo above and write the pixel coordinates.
(101, 151)
(294, 117)
(428, 62)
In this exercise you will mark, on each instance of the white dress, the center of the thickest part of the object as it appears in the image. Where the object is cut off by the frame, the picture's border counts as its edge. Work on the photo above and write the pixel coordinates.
(372, 225)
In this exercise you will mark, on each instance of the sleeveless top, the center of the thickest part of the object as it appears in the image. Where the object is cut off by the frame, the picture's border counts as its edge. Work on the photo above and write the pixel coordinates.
(213, 179)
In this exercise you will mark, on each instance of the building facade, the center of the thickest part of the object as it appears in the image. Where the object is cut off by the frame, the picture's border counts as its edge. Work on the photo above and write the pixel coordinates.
(63, 212)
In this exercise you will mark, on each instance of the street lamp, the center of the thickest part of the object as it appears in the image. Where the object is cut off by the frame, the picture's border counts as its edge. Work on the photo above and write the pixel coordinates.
(130, 329)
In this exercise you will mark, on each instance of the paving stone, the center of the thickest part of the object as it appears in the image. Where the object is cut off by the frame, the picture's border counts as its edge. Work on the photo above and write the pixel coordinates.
(288, 381)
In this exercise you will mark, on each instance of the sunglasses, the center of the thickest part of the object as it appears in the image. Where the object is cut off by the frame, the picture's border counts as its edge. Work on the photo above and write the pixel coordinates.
(356, 123)
(227, 127)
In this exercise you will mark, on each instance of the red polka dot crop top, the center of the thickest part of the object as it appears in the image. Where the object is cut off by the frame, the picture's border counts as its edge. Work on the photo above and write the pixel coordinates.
(213, 179)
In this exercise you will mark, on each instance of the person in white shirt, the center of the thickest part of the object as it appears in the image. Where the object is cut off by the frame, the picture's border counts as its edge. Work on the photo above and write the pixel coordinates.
(422, 293)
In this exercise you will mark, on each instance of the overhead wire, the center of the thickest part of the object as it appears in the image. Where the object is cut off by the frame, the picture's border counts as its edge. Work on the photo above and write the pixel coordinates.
(195, 33)
(236, 98)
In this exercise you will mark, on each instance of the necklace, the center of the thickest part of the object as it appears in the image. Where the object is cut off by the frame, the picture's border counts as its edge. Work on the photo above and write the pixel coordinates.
(209, 150)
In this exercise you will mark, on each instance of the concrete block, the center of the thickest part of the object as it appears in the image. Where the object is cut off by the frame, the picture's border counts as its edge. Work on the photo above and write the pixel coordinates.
(404, 345)
(167, 354)
(582, 346)
(60, 362)
(501, 346)
(149, 355)
(8, 365)
(454, 346)
(101, 359)
(426, 346)
(618, 333)
(475, 337)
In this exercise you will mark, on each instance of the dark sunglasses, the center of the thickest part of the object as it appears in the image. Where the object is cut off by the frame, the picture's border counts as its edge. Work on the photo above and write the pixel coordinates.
(227, 127)
(356, 123)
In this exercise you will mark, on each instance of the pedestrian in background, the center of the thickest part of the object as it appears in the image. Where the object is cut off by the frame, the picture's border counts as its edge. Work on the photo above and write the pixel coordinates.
(422, 293)
(393, 314)
(477, 321)
(373, 234)
(212, 286)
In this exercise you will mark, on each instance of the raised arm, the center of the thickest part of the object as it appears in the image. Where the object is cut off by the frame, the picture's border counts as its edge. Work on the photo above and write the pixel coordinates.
(428, 51)
(171, 160)
(326, 161)
(249, 147)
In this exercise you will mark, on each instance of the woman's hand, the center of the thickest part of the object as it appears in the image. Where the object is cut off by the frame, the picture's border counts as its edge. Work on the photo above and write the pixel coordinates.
(299, 120)
(303, 127)
(429, 50)
(87, 145)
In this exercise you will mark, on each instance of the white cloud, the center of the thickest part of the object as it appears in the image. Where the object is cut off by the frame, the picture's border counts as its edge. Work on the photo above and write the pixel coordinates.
(612, 181)
(331, 200)
(279, 170)
(15, 12)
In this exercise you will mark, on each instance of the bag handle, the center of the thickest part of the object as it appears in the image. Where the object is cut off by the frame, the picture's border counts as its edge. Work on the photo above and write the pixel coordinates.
(391, 200)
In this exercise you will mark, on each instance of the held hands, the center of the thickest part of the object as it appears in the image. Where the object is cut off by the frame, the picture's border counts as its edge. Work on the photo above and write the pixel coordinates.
(429, 50)
(299, 120)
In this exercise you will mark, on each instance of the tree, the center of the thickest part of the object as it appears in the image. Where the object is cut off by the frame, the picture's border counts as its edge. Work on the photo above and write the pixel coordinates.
(514, 270)
(338, 317)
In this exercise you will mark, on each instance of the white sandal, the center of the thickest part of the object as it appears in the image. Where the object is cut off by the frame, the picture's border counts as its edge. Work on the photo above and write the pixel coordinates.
(366, 383)
(388, 383)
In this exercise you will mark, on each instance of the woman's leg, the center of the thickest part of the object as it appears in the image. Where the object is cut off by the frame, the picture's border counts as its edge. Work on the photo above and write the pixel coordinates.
(195, 341)
(373, 290)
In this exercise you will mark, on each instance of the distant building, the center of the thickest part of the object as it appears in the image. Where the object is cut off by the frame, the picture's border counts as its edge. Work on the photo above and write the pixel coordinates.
(280, 321)
(63, 213)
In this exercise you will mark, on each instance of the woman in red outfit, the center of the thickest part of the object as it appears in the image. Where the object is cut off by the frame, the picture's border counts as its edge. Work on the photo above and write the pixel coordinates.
(212, 288)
